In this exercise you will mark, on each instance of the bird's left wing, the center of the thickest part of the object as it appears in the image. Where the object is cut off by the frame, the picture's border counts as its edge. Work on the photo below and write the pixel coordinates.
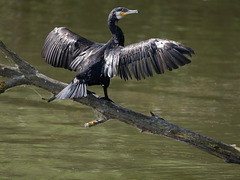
(139, 59)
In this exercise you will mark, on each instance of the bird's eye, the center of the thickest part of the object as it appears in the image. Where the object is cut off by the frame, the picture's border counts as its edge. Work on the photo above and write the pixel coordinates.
(124, 10)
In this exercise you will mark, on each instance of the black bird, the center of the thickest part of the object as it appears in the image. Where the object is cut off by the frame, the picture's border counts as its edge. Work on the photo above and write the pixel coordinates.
(97, 63)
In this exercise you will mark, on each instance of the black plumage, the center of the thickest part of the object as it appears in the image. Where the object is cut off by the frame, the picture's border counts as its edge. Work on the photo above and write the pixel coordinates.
(97, 62)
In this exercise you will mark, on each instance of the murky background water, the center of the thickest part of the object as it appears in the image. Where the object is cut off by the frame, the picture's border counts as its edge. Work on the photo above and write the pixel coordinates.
(48, 141)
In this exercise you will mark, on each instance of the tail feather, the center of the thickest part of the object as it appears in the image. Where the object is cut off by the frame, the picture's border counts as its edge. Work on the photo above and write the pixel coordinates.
(73, 90)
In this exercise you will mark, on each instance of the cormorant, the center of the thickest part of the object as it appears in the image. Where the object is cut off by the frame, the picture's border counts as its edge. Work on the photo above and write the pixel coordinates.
(97, 63)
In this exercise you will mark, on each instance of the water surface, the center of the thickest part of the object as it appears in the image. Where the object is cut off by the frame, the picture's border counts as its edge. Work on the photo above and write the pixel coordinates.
(48, 141)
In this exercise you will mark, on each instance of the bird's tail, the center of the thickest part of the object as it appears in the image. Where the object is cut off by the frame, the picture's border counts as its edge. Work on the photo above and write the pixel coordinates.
(73, 90)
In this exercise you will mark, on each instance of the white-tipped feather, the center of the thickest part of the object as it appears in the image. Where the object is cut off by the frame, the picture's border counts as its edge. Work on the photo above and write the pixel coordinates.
(73, 90)
(112, 58)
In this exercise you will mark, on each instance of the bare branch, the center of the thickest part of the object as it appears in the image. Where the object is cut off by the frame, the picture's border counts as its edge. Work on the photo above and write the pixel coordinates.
(9, 72)
(96, 122)
(23, 65)
(13, 82)
(156, 125)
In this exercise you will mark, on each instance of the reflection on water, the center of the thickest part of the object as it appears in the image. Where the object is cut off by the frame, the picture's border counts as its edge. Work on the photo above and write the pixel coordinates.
(49, 141)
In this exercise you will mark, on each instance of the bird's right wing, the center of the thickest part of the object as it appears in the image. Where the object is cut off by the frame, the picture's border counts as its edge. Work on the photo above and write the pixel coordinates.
(139, 59)
(63, 48)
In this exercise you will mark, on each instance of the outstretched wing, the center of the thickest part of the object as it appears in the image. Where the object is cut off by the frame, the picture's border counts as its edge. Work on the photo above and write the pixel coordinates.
(139, 59)
(63, 48)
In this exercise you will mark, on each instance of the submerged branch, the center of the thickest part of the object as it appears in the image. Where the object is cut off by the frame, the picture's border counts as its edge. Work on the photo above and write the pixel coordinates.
(27, 74)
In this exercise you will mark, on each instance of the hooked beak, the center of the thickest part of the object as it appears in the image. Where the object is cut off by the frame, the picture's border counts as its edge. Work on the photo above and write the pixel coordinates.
(129, 12)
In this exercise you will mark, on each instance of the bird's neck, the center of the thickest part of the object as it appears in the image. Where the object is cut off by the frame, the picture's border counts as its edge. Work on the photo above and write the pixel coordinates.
(117, 33)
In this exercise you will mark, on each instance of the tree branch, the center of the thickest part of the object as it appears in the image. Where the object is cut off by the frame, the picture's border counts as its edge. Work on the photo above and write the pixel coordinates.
(27, 74)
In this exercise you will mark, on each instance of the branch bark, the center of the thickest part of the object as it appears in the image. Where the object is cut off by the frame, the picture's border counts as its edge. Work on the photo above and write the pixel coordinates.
(25, 73)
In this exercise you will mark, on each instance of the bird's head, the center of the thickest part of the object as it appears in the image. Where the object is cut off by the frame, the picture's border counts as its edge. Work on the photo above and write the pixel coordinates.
(120, 12)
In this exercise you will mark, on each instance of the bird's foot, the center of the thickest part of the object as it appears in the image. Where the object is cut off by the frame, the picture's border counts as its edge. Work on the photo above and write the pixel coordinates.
(50, 99)
(3, 87)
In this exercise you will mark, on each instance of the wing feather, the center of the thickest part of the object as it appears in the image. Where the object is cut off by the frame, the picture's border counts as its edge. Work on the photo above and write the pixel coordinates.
(62, 48)
(142, 69)
(140, 58)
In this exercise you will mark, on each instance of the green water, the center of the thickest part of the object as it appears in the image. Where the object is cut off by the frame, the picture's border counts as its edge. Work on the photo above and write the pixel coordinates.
(48, 141)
